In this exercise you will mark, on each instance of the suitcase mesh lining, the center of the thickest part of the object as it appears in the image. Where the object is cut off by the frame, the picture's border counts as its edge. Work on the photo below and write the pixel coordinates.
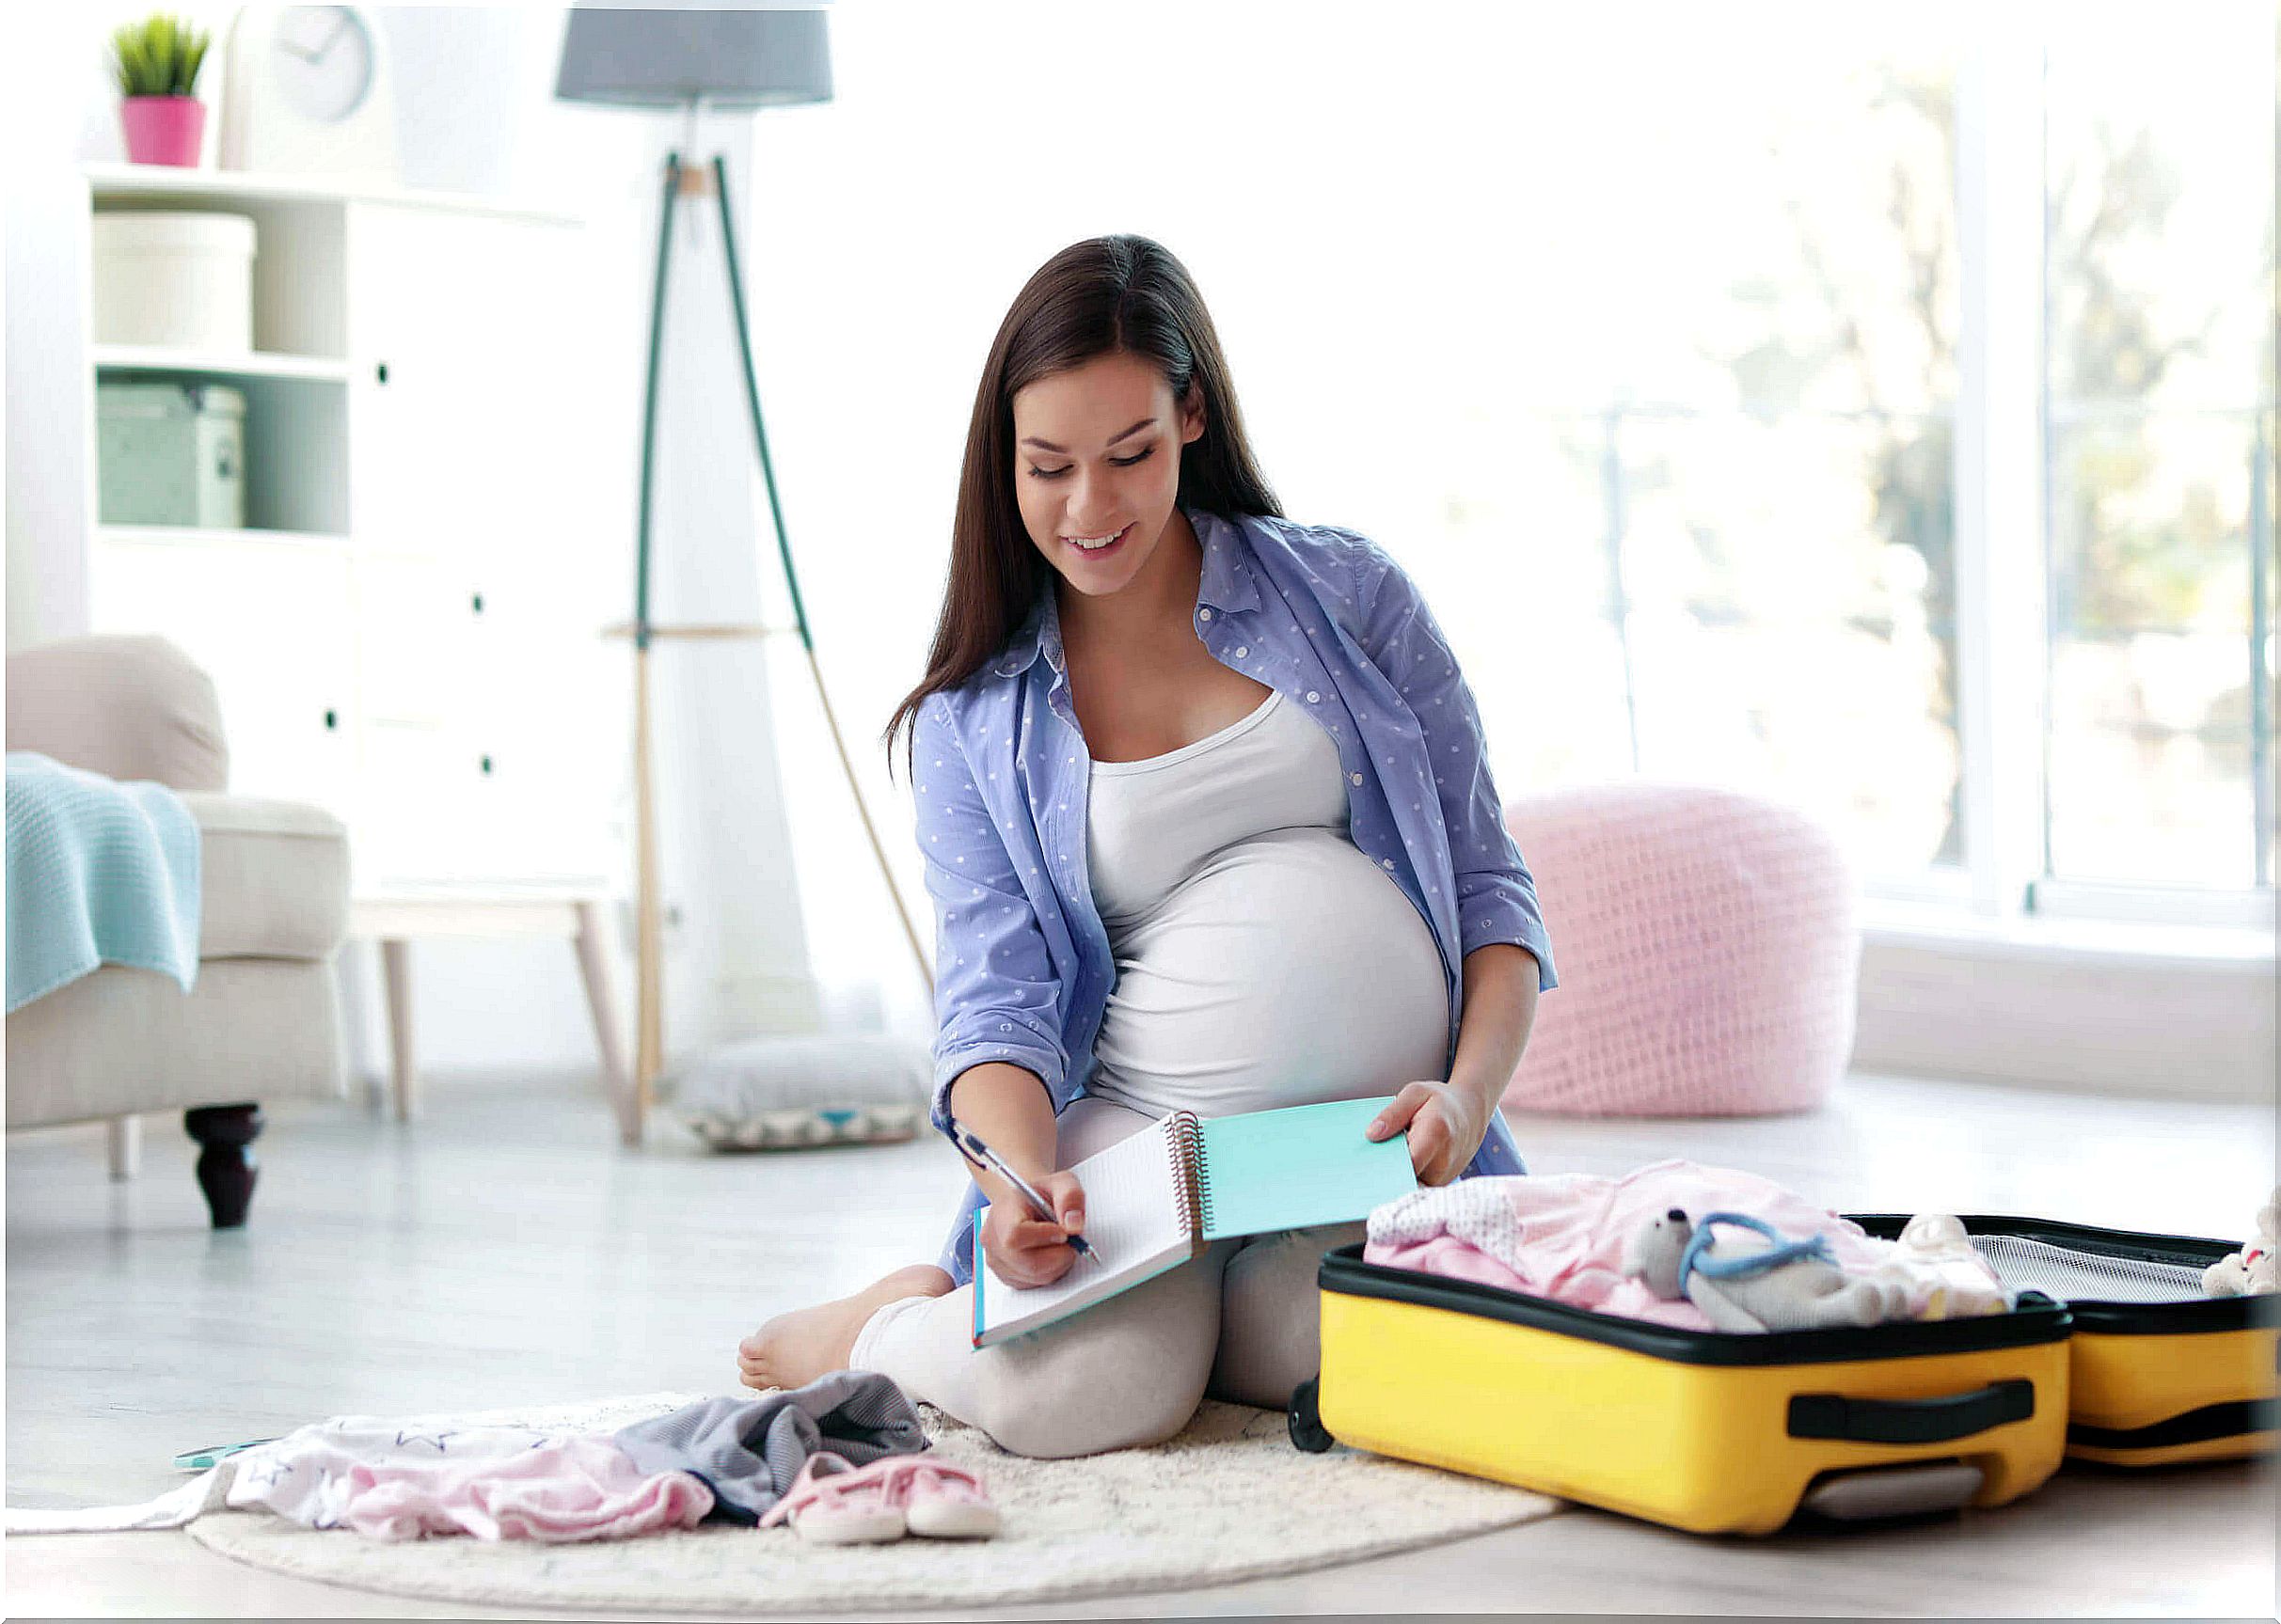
(2087, 1276)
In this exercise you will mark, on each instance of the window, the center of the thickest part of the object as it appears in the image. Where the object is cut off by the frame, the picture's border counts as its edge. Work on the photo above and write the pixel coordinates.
(1692, 437)
(2159, 391)
(1770, 465)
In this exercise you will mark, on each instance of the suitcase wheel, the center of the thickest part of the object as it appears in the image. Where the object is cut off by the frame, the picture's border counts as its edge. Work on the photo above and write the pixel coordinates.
(1306, 1420)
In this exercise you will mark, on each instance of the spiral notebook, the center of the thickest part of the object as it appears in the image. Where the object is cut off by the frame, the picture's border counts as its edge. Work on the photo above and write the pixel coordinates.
(1159, 1198)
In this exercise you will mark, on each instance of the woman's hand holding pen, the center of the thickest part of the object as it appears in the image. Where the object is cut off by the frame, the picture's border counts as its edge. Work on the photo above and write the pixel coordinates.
(1029, 1244)
(1027, 1250)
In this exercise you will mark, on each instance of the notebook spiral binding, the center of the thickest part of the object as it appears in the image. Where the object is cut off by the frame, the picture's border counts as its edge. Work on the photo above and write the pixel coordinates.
(1194, 1187)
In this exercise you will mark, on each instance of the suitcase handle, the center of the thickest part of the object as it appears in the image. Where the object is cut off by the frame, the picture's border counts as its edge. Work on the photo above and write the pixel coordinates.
(1911, 1420)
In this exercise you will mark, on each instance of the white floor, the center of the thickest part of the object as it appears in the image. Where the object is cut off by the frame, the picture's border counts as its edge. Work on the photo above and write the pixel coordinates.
(505, 1250)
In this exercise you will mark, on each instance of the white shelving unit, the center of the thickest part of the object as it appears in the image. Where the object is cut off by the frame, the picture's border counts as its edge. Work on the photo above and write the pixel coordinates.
(168, 535)
(405, 631)
(213, 364)
(164, 184)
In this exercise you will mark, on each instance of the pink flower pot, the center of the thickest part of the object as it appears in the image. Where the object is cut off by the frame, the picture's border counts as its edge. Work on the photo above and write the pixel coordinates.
(163, 129)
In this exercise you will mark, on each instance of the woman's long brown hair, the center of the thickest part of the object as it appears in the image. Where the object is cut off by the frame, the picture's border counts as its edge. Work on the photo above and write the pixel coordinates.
(1107, 295)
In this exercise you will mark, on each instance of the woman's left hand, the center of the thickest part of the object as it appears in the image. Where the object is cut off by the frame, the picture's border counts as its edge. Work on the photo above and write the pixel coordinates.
(1445, 1125)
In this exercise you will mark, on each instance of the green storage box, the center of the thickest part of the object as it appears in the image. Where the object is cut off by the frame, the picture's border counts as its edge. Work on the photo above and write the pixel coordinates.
(170, 453)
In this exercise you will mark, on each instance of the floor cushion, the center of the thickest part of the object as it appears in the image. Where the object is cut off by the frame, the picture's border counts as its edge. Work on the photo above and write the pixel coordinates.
(782, 1092)
(1709, 944)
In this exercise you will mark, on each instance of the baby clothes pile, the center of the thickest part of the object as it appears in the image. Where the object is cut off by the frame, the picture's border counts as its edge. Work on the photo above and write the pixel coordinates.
(1573, 1238)
(721, 1460)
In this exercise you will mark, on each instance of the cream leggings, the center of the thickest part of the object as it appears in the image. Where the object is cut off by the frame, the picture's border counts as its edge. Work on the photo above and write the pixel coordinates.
(1238, 1322)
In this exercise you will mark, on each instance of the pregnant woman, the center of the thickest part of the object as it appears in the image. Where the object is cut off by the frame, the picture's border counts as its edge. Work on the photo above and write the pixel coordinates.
(1204, 809)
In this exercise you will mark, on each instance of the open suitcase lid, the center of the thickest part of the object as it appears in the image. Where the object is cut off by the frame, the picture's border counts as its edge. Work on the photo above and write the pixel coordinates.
(2116, 1282)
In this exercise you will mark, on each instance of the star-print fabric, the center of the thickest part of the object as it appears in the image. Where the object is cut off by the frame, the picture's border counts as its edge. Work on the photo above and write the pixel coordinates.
(1022, 964)
(390, 1481)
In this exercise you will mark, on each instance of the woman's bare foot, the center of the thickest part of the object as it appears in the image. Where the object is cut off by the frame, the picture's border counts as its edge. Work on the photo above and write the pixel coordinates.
(793, 1350)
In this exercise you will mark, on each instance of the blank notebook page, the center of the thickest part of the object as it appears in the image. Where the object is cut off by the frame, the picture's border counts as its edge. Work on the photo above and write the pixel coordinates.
(1133, 1222)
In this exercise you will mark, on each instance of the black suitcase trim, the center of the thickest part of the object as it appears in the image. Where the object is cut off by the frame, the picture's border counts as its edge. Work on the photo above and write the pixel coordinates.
(2191, 1317)
(2236, 1419)
(2042, 1320)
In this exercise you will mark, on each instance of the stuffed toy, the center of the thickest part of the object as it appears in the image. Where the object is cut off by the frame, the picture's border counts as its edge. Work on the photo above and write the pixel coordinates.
(1740, 1286)
(2257, 1266)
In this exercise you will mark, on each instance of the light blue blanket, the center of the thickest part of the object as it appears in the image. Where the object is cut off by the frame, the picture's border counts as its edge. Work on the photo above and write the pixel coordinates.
(98, 872)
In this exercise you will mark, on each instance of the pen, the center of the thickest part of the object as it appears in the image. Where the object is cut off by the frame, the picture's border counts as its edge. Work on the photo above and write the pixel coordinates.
(1039, 1205)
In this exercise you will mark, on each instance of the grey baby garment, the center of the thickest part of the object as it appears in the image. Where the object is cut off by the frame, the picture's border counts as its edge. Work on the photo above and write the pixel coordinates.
(749, 1450)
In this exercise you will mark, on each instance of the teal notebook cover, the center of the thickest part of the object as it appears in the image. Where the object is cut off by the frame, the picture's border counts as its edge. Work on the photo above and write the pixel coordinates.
(1298, 1167)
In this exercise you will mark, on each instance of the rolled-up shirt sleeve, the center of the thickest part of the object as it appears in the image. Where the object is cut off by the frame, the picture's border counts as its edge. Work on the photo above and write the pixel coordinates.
(1496, 898)
(997, 996)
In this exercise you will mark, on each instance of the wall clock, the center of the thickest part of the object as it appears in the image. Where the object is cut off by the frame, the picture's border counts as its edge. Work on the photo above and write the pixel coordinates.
(306, 91)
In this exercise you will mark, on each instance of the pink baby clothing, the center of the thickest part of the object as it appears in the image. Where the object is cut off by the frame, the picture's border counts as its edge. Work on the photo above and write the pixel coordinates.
(401, 1480)
(392, 1482)
(1562, 1235)
(499, 1475)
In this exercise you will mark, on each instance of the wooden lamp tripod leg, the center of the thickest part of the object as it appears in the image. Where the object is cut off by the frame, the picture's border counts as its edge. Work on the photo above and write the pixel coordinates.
(649, 1035)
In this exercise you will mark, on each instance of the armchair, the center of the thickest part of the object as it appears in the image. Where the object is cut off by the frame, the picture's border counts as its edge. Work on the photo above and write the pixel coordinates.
(262, 1022)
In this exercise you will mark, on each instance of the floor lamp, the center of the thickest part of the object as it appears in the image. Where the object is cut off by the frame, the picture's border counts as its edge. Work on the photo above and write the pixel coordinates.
(730, 59)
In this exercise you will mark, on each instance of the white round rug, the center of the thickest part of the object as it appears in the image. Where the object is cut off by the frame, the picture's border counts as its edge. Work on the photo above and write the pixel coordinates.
(1227, 1499)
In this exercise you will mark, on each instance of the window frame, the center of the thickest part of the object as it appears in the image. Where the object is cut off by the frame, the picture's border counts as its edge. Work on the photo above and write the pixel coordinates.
(2006, 615)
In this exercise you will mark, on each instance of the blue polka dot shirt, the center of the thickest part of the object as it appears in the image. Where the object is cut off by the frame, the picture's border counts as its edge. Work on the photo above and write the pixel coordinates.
(1022, 964)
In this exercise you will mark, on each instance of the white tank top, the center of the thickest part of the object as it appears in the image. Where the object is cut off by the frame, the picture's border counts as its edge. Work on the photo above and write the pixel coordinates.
(1262, 959)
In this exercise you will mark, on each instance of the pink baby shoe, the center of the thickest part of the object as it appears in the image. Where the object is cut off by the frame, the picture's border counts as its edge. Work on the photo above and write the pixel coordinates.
(834, 1502)
(938, 1502)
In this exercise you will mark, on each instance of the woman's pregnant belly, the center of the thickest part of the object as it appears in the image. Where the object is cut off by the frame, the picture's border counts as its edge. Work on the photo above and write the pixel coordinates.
(1288, 969)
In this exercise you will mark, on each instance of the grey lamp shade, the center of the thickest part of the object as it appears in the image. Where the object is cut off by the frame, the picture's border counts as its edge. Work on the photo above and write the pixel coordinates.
(725, 58)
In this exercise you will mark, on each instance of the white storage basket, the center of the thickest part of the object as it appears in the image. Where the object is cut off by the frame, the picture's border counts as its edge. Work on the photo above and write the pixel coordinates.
(175, 279)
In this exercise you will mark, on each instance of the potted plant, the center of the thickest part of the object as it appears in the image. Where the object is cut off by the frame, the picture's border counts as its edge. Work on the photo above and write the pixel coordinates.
(157, 63)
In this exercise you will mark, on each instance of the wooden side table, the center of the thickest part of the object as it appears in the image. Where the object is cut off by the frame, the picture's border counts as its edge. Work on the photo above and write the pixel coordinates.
(401, 915)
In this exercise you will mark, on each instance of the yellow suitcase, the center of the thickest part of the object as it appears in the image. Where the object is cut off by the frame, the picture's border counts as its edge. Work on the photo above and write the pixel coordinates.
(2159, 1373)
(1708, 1431)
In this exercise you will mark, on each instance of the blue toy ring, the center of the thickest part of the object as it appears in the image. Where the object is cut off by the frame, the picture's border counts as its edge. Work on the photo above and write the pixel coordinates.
(1776, 1255)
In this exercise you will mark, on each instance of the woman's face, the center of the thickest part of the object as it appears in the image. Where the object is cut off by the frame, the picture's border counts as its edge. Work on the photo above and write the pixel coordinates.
(1097, 453)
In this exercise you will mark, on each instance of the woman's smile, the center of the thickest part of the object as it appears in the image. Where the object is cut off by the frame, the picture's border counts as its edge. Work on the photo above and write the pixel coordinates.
(1102, 549)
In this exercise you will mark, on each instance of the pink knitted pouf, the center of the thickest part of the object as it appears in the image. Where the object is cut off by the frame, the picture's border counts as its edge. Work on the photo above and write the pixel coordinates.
(1707, 944)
